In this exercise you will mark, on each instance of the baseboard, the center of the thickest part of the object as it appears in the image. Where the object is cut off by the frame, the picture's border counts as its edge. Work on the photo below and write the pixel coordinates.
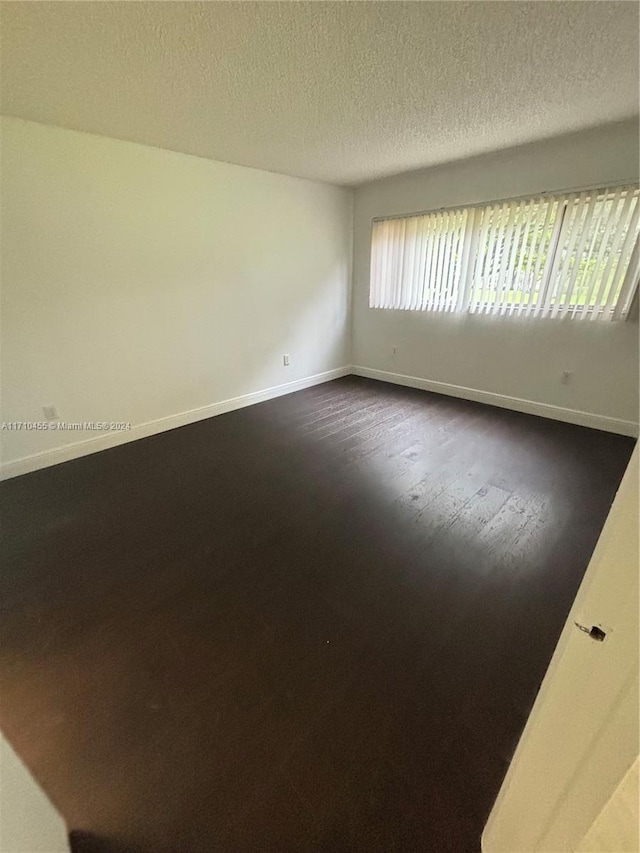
(530, 407)
(103, 442)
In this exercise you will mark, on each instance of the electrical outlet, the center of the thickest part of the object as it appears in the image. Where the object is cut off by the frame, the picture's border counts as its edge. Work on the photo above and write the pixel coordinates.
(285, 359)
(50, 413)
(566, 377)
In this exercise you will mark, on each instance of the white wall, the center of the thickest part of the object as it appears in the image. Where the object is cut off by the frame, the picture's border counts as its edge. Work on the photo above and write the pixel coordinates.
(138, 284)
(517, 357)
(28, 821)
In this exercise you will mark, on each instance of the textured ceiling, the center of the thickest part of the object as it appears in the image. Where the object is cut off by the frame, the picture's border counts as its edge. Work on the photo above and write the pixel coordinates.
(334, 91)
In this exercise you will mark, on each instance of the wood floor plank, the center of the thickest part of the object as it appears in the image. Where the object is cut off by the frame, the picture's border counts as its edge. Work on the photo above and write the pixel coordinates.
(305, 625)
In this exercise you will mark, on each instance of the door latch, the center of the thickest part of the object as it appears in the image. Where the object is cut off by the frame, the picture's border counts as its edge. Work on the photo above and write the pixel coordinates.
(595, 631)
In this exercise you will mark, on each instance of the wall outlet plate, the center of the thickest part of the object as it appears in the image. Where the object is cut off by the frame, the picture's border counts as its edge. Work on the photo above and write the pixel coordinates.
(50, 413)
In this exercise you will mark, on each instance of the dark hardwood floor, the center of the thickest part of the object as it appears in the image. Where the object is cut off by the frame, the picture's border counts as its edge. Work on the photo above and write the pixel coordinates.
(315, 624)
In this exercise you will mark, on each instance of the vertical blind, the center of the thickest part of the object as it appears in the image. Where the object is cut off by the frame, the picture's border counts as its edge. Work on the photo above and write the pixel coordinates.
(573, 255)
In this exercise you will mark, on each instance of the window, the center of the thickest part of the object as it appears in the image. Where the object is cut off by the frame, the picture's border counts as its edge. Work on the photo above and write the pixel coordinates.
(574, 255)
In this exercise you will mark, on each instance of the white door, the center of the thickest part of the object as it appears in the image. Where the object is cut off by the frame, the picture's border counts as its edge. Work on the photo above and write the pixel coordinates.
(616, 827)
(29, 823)
(582, 735)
